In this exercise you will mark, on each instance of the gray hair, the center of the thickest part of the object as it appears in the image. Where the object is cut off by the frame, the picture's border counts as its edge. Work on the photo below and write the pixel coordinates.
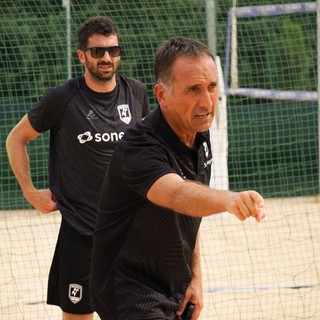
(170, 50)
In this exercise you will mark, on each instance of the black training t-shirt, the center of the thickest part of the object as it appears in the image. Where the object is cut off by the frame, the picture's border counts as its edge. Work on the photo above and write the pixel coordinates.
(141, 252)
(85, 127)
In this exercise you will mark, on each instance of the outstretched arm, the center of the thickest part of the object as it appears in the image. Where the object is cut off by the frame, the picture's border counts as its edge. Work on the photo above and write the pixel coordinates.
(194, 199)
(16, 143)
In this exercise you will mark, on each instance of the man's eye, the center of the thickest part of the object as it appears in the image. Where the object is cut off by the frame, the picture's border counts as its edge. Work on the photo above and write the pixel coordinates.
(193, 89)
(212, 86)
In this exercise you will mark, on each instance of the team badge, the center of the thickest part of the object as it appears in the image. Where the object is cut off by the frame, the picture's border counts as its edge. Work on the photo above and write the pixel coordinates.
(75, 292)
(124, 113)
(206, 149)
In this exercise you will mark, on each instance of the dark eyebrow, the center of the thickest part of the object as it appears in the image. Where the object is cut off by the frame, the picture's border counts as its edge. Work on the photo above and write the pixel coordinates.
(193, 86)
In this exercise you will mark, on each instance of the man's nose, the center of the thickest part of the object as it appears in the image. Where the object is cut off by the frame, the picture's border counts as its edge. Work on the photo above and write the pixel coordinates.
(206, 99)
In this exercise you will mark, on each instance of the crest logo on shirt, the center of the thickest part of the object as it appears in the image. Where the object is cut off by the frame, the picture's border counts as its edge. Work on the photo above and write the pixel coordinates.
(75, 292)
(206, 152)
(124, 113)
(206, 149)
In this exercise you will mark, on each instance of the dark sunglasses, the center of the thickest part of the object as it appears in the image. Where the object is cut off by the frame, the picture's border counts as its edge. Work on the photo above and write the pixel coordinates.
(98, 52)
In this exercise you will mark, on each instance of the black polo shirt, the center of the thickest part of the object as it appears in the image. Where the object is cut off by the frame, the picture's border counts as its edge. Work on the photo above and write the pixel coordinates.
(141, 254)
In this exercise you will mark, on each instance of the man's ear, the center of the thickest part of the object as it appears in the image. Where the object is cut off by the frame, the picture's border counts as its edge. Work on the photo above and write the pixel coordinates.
(161, 93)
(80, 54)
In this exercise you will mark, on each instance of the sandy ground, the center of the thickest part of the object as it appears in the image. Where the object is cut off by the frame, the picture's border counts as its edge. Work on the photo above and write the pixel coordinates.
(251, 271)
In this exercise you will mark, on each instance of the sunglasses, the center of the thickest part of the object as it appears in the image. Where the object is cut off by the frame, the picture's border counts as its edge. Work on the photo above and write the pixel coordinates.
(99, 52)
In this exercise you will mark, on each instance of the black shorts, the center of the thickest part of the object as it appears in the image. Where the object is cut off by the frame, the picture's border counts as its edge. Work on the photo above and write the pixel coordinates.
(68, 285)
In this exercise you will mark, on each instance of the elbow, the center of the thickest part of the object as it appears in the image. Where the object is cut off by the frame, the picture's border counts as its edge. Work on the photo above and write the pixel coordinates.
(13, 144)
(9, 142)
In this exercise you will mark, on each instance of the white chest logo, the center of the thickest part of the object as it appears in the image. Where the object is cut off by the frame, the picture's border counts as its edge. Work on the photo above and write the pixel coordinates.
(124, 113)
(85, 137)
(206, 149)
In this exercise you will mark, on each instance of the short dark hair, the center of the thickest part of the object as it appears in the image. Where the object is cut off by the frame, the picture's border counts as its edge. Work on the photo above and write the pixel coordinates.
(95, 25)
(173, 48)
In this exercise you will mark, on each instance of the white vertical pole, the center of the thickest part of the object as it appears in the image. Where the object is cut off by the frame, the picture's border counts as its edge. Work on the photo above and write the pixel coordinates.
(66, 4)
(218, 131)
(211, 26)
(219, 138)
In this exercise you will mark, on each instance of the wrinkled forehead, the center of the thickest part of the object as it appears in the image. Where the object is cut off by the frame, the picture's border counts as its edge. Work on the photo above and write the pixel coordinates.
(194, 68)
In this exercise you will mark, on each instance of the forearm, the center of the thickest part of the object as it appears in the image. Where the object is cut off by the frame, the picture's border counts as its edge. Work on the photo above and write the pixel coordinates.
(195, 262)
(17, 141)
(194, 293)
(199, 200)
(19, 162)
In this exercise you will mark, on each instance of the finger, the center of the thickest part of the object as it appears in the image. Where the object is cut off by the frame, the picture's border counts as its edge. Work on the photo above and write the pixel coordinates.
(196, 313)
(260, 216)
(260, 205)
(246, 205)
(253, 202)
(244, 210)
(252, 205)
(239, 215)
(179, 312)
(257, 199)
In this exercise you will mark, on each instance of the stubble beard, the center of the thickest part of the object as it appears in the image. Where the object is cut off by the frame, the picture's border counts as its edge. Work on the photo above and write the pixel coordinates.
(100, 76)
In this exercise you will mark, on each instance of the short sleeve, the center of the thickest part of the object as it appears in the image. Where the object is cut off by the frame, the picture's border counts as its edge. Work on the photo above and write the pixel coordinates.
(143, 164)
(48, 112)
